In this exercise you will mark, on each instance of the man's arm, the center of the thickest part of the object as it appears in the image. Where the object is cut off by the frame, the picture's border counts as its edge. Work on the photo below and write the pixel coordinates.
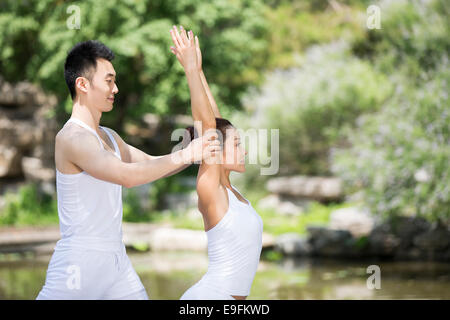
(83, 150)
(132, 154)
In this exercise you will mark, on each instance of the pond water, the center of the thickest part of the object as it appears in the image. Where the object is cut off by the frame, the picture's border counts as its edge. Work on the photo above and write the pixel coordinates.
(167, 276)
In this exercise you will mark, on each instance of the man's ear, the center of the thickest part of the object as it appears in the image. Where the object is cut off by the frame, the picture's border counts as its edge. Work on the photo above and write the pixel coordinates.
(82, 84)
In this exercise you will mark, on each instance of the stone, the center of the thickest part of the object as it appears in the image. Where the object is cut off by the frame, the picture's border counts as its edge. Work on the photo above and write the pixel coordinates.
(283, 206)
(27, 129)
(357, 221)
(382, 241)
(292, 244)
(435, 239)
(34, 170)
(10, 164)
(327, 242)
(407, 228)
(178, 239)
(316, 188)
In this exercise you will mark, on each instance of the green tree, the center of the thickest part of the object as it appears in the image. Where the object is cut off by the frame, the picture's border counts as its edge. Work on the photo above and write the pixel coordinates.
(35, 39)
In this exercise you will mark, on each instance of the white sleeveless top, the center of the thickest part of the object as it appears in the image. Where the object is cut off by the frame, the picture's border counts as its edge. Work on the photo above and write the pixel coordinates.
(89, 209)
(234, 248)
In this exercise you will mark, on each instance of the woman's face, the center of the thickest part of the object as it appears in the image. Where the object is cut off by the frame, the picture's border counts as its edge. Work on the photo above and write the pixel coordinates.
(233, 152)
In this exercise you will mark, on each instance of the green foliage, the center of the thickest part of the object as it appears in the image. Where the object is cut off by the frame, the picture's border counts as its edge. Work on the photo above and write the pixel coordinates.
(271, 255)
(296, 25)
(35, 37)
(29, 207)
(413, 38)
(132, 209)
(400, 156)
(309, 104)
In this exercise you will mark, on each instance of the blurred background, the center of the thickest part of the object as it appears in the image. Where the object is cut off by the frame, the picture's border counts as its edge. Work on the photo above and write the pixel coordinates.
(358, 90)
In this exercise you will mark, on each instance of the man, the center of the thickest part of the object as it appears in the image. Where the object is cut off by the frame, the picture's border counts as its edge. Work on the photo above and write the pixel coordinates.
(92, 164)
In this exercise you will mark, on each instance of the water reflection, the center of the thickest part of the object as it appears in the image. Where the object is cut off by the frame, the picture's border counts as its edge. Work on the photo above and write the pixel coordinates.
(168, 275)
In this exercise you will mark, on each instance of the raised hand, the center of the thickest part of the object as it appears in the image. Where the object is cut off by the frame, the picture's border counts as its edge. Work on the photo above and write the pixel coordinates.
(185, 48)
(199, 54)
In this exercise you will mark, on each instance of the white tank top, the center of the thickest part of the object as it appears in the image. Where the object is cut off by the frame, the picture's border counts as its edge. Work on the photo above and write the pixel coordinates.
(89, 209)
(234, 248)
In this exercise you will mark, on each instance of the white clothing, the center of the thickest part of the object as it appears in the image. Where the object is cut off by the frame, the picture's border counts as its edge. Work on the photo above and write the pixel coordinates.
(234, 249)
(91, 246)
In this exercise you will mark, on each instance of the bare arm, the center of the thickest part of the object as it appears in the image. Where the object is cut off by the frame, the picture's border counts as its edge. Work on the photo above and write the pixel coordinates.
(212, 102)
(83, 150)
(210, 96)
(209, 173)
(132, 154)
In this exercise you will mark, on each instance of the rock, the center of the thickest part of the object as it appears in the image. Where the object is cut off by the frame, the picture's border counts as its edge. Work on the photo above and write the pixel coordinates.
(9, 161)
(178, 239)
(271, 201)
(27, 128)
(435, 239)
(283, 206)
(268, 241)
(292, 244)
(327, 242)
(357, 221)
(407, 228)
(316, 188)
(382, 241)
(34, 170)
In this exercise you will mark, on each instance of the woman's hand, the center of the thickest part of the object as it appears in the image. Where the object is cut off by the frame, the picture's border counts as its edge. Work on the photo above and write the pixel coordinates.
(185, 49)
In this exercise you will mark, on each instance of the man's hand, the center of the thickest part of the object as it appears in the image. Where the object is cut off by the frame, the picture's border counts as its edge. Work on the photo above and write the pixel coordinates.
(204, 148)
(186, 49)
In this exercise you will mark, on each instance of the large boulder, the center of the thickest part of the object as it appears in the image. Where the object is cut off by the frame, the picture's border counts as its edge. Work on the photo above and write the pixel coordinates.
(437, 238)
(292, 244)
(27, 129)
(328, 242)
(283, 205)
(359, 222)
(315, 188)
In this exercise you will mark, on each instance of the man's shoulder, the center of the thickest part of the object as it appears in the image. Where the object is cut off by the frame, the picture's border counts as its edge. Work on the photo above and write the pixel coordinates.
(71, 136)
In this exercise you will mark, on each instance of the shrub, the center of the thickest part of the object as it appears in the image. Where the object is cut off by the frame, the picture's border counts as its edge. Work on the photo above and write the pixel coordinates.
(400, 157)
(310, 103)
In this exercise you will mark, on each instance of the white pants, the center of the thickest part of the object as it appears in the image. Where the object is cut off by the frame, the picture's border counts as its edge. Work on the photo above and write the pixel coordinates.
(201, 291)
(80, 273)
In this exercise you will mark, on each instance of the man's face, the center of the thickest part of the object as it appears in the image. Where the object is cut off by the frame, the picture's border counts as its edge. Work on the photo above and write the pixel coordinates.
(102, 87)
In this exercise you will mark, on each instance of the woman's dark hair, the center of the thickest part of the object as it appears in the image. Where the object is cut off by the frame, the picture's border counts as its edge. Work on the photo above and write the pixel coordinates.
(221, 124)
(82, 59)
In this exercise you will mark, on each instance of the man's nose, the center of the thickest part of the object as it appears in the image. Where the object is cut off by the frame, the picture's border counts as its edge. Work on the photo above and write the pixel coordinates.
(116, 89)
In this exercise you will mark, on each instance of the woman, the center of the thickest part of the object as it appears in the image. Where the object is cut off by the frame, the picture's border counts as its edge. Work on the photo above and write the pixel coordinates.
(233, 228)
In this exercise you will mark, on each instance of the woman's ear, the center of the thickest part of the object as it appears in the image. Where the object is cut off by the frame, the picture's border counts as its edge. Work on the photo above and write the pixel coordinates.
(82, 84)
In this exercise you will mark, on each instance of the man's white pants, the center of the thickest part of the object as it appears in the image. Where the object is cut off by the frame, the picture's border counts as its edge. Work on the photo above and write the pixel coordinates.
(82, 273)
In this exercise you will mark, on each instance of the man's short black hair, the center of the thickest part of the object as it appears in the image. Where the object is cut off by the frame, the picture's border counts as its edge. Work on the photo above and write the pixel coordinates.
(81, 60)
